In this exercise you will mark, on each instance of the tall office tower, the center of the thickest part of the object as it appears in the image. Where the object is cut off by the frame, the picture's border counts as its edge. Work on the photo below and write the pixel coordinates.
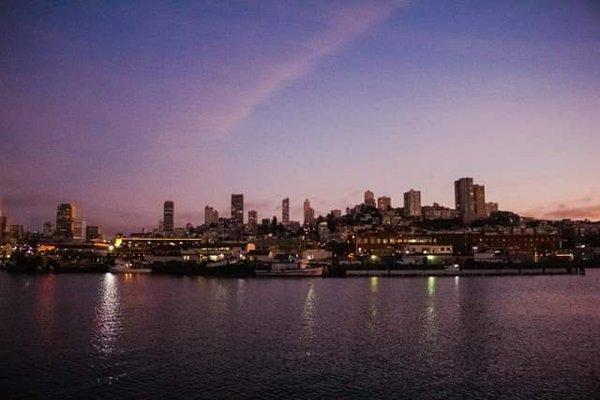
(92, 232)
(79, 230)
(211, 216)
(491, 208)
(285, 211)
(169, 217)
(65, 217)
(479, 200)
(237, 208)
(48, 230)
(309, 213)
(252, 219)
(463, 196)
(370, 198)
(384, 203)
(412, 203)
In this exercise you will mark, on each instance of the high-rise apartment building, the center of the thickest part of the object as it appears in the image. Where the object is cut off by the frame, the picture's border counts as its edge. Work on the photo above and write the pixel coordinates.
(285, 211)
(384, 203)
(479, 200)
(168, 217)
(252, 219)
(309, 214)
(65, 217)
(370, 198)
(412, 203)
(237, 208)
(211, 215)
(464, 196)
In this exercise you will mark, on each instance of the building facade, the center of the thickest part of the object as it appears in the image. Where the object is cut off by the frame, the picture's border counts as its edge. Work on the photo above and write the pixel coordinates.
(65, 217)
(285, 211)
(309, 213)
(464, 197)
(370, 198)
(479, 200)
(237, 208)
(412, 203)
(211, 216)
(168, 217)
(384, 203)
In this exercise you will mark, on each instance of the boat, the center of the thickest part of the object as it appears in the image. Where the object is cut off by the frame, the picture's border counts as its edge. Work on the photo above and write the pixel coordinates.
(290, 269)
(125, 267)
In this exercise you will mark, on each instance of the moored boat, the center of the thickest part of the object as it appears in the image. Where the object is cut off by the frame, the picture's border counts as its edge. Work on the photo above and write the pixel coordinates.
(292, 270)
(125, 267)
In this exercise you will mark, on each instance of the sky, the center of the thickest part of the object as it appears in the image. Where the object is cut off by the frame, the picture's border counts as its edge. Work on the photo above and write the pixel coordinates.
(119, 106)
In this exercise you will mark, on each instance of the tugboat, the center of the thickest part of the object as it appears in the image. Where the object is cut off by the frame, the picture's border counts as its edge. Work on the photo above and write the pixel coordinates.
(125, 267)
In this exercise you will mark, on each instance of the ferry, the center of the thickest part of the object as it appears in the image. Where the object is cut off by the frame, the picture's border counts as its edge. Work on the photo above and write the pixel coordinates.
(290, 269)
(124, 267)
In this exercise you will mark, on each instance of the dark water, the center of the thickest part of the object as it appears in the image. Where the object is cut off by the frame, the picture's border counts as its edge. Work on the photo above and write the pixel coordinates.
(105, 336)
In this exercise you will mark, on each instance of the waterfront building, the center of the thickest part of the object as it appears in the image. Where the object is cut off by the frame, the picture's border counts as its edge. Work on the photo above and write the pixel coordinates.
(384, 203)
(65, 217)
(479, 200)
(370, 198)
(237, 208)
(412, 203)
(464, 196)
(168, 221)
(211, 215)
(309, 213)
(285, 211)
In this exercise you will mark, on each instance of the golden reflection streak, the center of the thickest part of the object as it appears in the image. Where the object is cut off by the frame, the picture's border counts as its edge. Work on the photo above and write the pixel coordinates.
(107, 318)
(307, 318)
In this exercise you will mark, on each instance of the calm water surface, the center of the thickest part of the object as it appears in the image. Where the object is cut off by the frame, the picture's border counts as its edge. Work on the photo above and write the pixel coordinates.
(106, 336)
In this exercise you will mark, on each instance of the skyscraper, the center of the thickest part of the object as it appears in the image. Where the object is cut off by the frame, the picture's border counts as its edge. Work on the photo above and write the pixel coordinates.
(65, 217)
(384, 202)
(464, 197)
(370, 198)
(237, 208)
(412, 203)
(285, 211)
(252, 219)
(309, 214)
(479, 200)
(211, 216)
(169, 217)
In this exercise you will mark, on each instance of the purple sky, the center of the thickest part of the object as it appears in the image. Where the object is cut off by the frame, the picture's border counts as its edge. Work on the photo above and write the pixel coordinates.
(119, 107)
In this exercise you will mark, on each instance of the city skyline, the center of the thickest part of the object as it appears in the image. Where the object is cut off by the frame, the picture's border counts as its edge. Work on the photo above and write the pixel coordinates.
(193, 103)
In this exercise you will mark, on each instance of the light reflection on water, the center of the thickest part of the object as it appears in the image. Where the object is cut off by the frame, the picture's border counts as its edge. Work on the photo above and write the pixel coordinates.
(307, 318)
(174, 337)
(107, 323)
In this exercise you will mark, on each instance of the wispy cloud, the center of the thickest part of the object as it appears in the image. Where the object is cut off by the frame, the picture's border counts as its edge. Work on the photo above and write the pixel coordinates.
(344, 26)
